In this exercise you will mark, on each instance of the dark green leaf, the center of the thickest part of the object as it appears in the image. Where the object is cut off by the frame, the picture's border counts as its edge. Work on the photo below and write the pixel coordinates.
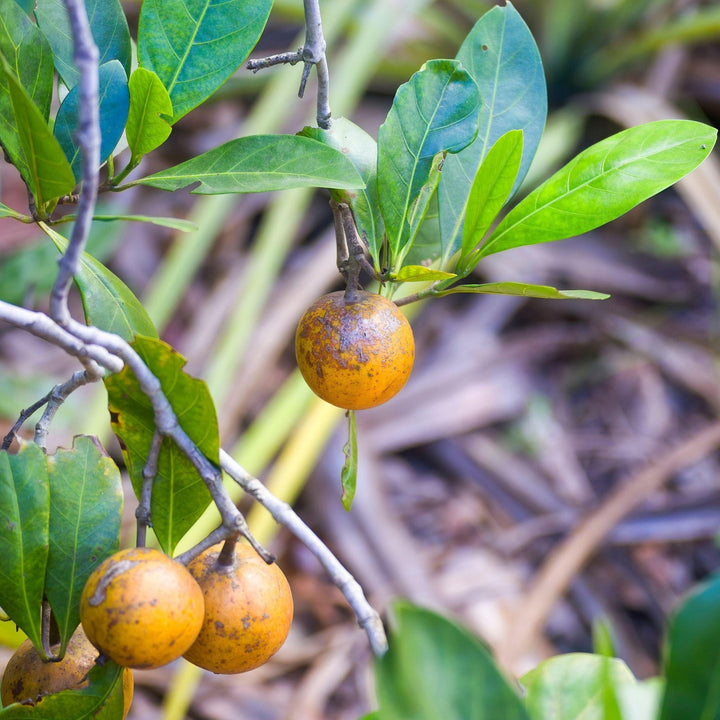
(574, 685)
(26, 5)
(436, 111)
(692, 665)
(489, 192)
(194, 46)
(148, 124)
(109, 28)
(361, 149)
(179, 495)
(525, 290)
(43, 165)
(108, 303)
(86, 501)
(113, 108)
(603, 182)
(348, 475)
(501, 56)
(102, 699)
(24, 522)
(29, 57)
(435, 669)
(259, 163)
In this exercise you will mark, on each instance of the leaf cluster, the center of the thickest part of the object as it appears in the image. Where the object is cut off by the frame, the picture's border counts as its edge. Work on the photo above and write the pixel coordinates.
(436, 668)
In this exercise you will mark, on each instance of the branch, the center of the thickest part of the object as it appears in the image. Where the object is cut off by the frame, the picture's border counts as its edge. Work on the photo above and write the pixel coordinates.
(88, 137)
(312, 53)
(283, 514)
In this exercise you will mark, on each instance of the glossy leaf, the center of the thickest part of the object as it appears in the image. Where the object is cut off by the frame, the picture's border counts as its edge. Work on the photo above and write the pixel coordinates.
(525, 290)
(435, 112)
(24, 522)
(148, 124)
(572, 686)
(603, 182)
(436, 669)
(26, 5)
(361, 149)
(693, 657)
(113, 108)
(194, 46)
(44, 166)
(109, 29)
(86, 501)
(489, 192)
(259, 163)
(179, 495)
(348, 475)
(102, 699)
(501, 56)
(29, 58)
(108, 303)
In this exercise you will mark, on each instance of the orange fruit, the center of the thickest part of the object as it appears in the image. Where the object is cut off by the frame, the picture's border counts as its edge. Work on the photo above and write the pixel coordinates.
(141, 608)
(248, 611)
(357, 353)
(28, 678)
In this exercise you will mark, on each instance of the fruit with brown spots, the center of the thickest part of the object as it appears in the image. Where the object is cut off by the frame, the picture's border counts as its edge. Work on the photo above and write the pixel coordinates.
(141, 608)
(248, 610)
(355, 353)
(28, 678)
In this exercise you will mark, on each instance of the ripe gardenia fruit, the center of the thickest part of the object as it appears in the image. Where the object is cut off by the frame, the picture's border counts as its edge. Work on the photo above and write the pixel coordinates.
(248, 610)
(27, 678)
(141, 608)
(357, 353)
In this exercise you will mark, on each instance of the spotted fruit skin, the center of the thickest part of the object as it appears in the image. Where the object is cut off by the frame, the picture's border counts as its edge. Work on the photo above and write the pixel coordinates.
(248, 611)
(28, 678)
(354, 354)
(141, 608)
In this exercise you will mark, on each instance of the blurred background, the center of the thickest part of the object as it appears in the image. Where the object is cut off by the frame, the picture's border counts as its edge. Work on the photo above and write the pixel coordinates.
(550, 464)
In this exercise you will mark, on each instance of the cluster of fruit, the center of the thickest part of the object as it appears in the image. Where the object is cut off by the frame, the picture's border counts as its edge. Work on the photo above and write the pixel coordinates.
(142, 609)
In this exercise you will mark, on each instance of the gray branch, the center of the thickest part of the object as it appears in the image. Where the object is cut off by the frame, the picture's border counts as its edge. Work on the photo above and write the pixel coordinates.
(283, 514)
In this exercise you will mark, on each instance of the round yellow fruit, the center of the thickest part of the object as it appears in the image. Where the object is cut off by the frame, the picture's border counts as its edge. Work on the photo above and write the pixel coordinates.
(354, 354)
(141, 608)
(248, 611)
(28, 678)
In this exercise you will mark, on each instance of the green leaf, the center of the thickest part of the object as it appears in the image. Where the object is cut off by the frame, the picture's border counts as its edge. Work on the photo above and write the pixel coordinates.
(603, 182)
(501, 56)
(26, 5)
(420, 273)
(113, 109)
(43, 164)
(572, 686)
(24, 522)
(29, 55)
(102, 699)
(348, 475)
(5, 211)
(173, 223)
(260, 163)
(361, 149)
(29, 58)
(693, 657)
(86, 501)
(641, 700)
(435, 669)
(525, 290)
(435, 112)
(108, 303)
(489, 193)
(179, 495)
(194, 46)
(109, 29)
(150, 105)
